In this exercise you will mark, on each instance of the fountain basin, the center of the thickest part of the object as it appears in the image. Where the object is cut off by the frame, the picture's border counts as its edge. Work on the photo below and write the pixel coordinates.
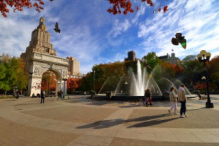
(123, 97)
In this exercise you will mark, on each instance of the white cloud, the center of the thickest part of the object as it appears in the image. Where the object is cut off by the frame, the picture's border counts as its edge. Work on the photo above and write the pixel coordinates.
(196, 20)
(80, 43)
(119, 27)
(93, 36)
(140, 12)
(75, 39)
(15, 36)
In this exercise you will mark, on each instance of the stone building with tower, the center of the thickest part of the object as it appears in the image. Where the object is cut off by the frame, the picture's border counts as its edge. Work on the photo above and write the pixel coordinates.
(39, 43)
(171, 59)
(40, 57)
(131, 56)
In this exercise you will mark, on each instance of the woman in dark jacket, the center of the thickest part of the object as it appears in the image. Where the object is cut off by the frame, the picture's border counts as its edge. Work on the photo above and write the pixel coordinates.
(147, 96)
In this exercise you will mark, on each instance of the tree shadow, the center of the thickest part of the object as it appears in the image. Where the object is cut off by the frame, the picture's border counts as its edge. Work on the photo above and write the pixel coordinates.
(12, 99)
(196, 109)
(26, 104)
(102, 124)
(145, 121)
(129, 106)
(146, 118)
(151, 122)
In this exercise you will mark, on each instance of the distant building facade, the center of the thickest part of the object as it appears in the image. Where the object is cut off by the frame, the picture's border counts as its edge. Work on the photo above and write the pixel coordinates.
(131, 56)
(171, 59)
(74, 66)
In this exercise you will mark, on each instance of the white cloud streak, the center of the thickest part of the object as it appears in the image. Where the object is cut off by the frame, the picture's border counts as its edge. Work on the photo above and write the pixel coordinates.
(196, 20)
(93, 36)
(119, 27)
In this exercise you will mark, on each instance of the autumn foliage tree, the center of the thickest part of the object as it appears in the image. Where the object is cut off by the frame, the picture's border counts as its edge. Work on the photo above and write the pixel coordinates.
(12, 74)
(152, 60)
(193, 70)
(168, 70)
(213, 73)
(19, 5)
(111, 72)
(126, 6)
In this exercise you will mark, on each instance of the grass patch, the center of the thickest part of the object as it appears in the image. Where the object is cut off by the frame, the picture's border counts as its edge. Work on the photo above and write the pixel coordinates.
(6, 97)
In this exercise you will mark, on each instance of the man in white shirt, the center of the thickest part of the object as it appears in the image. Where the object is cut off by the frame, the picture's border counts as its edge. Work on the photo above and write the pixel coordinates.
(182, 98)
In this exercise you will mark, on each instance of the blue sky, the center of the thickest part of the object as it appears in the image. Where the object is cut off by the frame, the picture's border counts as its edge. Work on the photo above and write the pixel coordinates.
(93, 36)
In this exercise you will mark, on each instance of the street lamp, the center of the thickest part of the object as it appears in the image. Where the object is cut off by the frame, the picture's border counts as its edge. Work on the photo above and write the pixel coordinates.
(204, 80)
(94, 80)
(126, 86)
(64, 79)
(204, 56)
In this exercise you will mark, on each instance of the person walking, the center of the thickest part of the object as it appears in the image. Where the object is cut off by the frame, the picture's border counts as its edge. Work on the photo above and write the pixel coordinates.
(147, 96)
(59, 95)
(42, 96)
(17, 94)
(182, 99)
(173, 100)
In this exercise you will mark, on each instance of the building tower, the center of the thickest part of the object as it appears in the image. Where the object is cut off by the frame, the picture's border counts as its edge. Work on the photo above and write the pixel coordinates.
(131, 56)
(40, 43)
(74, 66)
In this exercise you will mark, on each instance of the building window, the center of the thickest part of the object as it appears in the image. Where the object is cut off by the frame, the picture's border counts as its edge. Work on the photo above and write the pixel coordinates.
(47, 50)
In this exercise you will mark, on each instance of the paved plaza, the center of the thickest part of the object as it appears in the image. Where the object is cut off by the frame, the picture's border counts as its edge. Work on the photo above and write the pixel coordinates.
(80, 121)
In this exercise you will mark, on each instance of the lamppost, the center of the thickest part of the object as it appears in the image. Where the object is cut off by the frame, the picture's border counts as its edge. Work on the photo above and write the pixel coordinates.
(126, 86)
(204, 56)
(64, 79)
(58, 88)
(204, 80)
(94, 80)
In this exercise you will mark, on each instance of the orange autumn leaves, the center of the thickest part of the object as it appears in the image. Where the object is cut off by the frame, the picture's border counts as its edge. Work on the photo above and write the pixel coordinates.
(119, 6)
(19, 5)
(125, 6)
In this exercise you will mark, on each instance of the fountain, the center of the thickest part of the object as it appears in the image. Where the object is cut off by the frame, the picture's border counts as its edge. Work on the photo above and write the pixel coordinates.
(103, 85)
(179, 83)
(169, 84)
(133, 86)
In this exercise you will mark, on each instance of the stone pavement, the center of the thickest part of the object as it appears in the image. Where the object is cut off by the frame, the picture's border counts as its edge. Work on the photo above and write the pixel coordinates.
(84, 122)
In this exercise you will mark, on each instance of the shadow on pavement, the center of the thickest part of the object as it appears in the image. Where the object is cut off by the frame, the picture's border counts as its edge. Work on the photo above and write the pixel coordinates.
(147, 121)
(152, 122)
(103, 124)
